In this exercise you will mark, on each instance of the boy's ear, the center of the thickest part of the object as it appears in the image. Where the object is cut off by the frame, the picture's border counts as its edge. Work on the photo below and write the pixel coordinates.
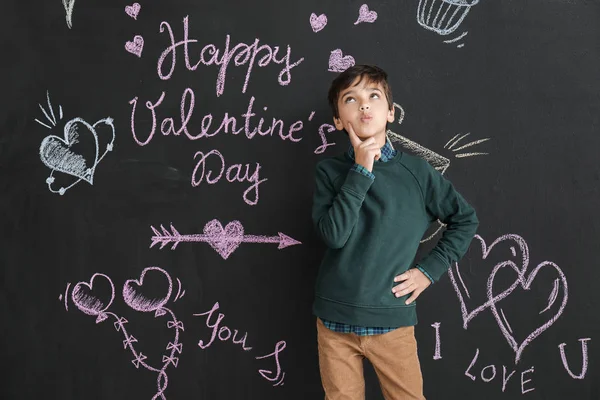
(338, 123)
(391, 114)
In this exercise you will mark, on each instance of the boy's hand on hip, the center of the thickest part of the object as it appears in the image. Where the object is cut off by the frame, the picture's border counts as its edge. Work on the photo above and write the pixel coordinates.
(365, 152)
(413, 281)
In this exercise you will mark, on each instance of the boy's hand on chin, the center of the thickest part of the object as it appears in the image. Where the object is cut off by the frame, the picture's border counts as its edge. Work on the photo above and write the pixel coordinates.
(413, 281)
(365, 151)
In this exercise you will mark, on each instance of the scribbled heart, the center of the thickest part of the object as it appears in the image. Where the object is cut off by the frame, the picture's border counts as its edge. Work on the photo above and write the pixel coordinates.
(133, 10)
(338, 62)
(139, 299)
(136, 46)
(560, 285)
(364, 15)
(224, 240)
(317, 23)
(462, 291)
(89, 300)
(57, 153)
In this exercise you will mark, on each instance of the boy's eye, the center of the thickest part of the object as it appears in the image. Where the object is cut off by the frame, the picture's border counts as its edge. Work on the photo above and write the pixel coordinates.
(374, 95)
(349, 99)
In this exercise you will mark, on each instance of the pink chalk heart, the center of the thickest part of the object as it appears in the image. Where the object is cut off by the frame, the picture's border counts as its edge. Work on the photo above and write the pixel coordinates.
(94, 300)
(154, 295)
(224, 240)
(338, 62)
(551, 311)
(318, 23)
(76, 154)
(510, 251)
(364, 15)
(136, 46)
(133, 10)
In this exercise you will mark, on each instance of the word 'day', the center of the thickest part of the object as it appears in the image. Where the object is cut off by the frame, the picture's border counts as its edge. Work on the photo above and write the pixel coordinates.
(234, 173)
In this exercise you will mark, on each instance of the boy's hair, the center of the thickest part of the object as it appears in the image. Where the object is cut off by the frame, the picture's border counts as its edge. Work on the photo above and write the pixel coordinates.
(343, 81)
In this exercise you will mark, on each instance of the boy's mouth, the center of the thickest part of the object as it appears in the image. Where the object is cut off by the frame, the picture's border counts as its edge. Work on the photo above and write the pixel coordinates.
(366, 118)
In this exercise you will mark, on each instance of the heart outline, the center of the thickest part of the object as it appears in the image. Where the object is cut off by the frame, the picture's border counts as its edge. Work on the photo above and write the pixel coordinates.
(526, 285)
(467, 315)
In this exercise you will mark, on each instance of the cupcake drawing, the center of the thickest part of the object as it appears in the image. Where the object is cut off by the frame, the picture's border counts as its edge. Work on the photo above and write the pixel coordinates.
(443, 16)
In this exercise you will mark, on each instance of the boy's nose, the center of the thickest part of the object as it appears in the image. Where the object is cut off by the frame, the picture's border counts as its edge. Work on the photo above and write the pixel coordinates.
(364, 107)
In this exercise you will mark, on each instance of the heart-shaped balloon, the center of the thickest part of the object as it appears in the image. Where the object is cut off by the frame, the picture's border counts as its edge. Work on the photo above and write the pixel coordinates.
(152, 297)
(93, 301)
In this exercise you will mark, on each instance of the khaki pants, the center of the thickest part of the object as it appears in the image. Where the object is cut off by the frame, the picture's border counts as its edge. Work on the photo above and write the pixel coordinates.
(393, 356)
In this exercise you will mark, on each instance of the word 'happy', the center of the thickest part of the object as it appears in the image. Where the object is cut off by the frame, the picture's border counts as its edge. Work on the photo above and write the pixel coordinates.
(240, 54)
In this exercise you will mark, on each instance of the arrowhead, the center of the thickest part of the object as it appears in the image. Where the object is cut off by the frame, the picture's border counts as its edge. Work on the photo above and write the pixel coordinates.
(286, 241)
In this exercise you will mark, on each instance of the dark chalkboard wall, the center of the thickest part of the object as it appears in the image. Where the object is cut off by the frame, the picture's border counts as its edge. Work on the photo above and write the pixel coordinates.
(179, 263)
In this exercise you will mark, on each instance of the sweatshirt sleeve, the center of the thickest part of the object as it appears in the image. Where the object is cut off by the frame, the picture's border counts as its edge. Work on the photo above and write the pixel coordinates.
(335, 214)
(443, 202)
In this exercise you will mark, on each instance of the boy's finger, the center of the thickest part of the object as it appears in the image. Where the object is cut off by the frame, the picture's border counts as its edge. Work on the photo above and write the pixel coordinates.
(413, 297)
(354, 139)
(402, 277)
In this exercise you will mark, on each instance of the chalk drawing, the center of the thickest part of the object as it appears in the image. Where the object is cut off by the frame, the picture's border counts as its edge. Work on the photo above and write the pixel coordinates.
(317, 23)
(224, 240)
(224, 334)
(518, 263)
(443, 16)
(69, 4)
(95, 297)
(365, 15)
(338, 62)
(136, 46)
(63, 154)
(437, 355)
(584, 358)
(436, 160)
(133, 10)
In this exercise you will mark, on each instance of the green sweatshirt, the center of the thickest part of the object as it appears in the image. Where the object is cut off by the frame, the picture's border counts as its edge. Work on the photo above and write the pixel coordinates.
(372, 229)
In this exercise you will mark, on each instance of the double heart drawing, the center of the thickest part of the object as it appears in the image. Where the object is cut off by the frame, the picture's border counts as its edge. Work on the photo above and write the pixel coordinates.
(512, 274)
(77, 153)
(96, 296)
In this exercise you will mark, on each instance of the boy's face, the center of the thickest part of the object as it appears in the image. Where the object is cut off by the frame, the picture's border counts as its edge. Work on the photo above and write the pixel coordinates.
(365, 106)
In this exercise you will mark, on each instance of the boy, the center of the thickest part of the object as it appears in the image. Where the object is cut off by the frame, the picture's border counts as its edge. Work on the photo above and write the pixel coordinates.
(371, 207)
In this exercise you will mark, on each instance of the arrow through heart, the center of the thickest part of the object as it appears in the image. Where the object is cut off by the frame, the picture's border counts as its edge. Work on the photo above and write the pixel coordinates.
(224, 240)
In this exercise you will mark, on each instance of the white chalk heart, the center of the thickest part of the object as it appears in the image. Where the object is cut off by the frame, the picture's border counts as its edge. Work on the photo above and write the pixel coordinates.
(58, 154)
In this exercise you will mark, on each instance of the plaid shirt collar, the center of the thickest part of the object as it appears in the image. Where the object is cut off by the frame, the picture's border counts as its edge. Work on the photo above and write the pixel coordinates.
(387, 151)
